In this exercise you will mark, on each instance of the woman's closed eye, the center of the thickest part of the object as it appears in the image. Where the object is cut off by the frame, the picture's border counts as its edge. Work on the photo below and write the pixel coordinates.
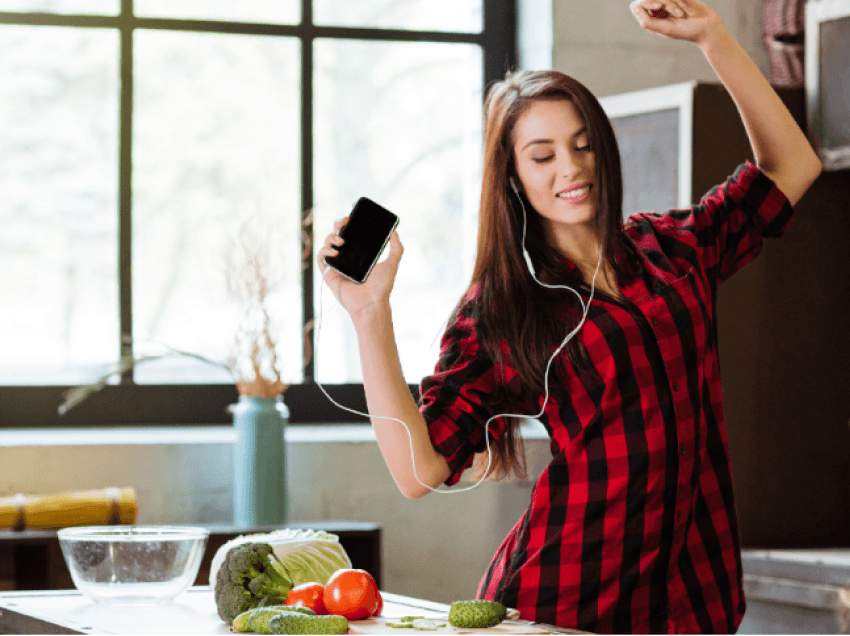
(550, 157)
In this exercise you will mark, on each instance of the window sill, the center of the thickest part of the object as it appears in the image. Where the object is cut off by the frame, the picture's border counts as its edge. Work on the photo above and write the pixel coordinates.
(144, 435)
(150, 435)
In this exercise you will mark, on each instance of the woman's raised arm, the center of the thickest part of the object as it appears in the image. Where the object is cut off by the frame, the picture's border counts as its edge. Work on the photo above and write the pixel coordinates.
(383, 381)
(781, 149)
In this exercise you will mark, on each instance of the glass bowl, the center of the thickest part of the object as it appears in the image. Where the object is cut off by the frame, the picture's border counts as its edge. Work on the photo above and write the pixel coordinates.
(133, 565)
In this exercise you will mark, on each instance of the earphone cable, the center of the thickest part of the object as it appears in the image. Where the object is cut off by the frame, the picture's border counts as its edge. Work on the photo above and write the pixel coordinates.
(585, 307)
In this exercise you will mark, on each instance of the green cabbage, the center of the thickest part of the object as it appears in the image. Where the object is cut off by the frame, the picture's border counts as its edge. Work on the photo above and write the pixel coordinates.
(306, 556)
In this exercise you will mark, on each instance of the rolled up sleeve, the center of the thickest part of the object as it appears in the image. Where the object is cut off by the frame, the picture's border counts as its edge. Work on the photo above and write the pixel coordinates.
(726, 230)
(462, 394)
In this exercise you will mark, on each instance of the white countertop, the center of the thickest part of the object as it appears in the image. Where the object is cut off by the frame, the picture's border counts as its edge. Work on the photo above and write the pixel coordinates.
(193, 612)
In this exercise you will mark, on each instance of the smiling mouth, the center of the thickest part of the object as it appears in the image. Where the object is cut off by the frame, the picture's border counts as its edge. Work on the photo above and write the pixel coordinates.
(575, 196)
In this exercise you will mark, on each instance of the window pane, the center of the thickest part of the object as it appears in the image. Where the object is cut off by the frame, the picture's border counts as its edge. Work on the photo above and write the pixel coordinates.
(58, 203)
(464, 16)
(80, 7)
(406, 133)
(266, 11)
(216, 144)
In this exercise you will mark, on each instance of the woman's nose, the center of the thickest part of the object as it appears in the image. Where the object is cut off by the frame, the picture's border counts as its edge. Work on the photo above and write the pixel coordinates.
(570, 167)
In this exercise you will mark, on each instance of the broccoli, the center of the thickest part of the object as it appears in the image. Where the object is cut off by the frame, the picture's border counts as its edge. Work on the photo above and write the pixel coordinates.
(250, 576)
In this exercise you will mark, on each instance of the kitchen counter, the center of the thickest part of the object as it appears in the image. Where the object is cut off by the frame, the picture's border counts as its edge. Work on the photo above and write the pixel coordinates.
(194, 612)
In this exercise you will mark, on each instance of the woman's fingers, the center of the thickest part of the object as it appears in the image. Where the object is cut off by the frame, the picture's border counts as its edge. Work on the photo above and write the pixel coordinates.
(396, 248)
(328, 250)
(340, 223)
(688, 20)
(678, 8)
(332, 241)
(660, 9)
(643, 8)
(331, 244)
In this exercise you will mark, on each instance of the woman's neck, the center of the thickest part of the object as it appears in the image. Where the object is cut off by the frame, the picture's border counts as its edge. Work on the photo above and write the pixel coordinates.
(584, 256)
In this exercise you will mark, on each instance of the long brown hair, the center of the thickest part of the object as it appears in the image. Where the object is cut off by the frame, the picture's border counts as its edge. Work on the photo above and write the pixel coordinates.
(510, 306)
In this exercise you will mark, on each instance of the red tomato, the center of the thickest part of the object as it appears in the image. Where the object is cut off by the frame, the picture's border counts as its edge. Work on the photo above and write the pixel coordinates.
(351, 593)
(380, 605)
(379, 601)
(309, 595)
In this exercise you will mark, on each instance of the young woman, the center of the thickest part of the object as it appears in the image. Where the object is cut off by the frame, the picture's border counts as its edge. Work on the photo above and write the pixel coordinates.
(632, 526)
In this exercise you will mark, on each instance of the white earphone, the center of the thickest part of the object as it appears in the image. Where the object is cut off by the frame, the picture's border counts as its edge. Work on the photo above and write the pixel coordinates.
(585, 307)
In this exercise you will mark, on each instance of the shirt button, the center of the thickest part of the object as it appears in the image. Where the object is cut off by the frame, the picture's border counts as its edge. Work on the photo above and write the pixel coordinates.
(675, 386)
(654, 322)
(669, 578)
(679, 516)
(682, 450)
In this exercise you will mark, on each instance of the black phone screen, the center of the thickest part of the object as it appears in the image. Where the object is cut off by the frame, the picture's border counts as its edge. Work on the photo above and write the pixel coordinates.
(366, 234)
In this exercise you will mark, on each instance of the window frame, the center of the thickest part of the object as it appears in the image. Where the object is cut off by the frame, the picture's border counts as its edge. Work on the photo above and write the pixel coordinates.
(130, 404)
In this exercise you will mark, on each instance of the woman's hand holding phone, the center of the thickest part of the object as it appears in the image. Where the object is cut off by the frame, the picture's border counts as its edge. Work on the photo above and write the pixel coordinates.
(374, 292)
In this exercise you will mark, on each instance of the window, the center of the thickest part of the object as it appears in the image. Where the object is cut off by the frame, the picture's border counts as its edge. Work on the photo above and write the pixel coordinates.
(142, 140)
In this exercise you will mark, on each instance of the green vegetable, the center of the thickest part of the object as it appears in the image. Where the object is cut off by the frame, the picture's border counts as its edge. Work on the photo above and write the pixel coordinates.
(242, 623)
(415, 622)
(260, 618)
(292, 623)
(257, 619)
(250, 576)
(294, 608)
(476, 613)
(246, 621)
(305, 555)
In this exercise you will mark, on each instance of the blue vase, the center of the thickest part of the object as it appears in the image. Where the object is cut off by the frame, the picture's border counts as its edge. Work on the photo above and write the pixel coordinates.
(259, 462)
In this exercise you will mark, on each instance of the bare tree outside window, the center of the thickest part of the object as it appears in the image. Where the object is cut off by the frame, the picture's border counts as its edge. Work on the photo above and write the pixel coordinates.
(216, 143)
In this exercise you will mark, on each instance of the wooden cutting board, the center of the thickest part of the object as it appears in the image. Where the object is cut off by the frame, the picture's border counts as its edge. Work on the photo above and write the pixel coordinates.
(378, 625)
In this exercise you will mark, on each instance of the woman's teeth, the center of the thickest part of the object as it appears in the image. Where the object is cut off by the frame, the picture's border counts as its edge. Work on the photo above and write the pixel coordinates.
(574, 195)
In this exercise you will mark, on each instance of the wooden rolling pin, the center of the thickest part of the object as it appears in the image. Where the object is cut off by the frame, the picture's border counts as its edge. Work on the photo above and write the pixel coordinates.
(109, 506)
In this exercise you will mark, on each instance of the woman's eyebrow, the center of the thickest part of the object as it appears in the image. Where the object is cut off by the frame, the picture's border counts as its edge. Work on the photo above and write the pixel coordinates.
(577, 133)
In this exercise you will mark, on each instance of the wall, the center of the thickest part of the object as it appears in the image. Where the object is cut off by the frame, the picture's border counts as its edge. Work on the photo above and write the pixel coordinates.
(601, 44)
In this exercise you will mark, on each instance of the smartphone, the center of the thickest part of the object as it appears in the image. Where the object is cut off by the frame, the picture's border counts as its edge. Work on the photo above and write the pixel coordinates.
(366, 235)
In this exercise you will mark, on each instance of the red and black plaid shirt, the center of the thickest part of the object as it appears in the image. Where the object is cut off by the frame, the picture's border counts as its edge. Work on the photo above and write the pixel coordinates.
(632, 526)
